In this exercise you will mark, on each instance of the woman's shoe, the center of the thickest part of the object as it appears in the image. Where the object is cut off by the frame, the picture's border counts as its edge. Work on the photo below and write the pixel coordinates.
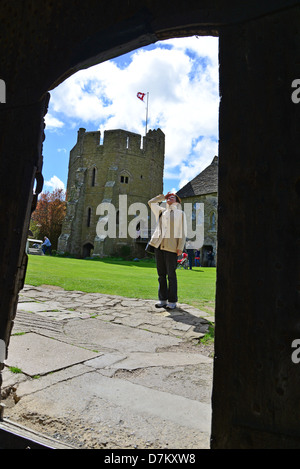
(161, 304)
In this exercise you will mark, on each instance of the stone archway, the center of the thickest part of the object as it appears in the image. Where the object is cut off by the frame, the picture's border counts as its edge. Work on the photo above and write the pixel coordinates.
(86, 250)
(257, 307)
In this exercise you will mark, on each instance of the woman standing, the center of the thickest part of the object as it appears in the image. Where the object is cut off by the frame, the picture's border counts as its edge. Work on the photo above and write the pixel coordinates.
(168, 240)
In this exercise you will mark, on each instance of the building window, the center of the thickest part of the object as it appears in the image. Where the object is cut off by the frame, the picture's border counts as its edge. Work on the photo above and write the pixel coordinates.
(194, 209)
(88, 221)
(213, 221)
(93, 177)
(124, 179)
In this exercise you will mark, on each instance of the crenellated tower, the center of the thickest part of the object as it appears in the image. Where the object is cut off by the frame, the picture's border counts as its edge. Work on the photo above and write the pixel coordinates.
(124, 164)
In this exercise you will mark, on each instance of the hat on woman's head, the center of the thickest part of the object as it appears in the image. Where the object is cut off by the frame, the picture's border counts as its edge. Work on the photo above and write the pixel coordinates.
(178, 199)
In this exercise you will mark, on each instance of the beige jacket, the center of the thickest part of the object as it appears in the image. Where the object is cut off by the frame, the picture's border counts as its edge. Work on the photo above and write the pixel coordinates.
(170, 230)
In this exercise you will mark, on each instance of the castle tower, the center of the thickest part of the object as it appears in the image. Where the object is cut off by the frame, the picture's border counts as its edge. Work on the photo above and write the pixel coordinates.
(125, 164)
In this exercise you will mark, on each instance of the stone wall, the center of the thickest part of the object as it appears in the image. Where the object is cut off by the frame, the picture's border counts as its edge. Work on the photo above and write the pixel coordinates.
(125, 164)
(210, 202)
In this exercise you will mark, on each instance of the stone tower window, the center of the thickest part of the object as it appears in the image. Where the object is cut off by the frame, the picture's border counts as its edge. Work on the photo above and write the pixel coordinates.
(213, 221)
(88, 220)
(93, 177)
(124, 179)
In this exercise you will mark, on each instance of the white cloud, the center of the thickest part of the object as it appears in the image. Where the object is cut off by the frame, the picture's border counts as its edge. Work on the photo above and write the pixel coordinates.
(55, 183)
(181, 76)
(52, 122)
(205, 151)
(173, 190)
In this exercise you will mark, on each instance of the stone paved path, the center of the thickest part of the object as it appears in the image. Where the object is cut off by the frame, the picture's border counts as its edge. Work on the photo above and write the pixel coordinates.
(101, 371)
(51, 303)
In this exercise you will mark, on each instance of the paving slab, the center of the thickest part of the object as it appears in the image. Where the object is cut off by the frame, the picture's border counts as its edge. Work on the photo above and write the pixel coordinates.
(143, 400)
(35, 354)
(144, 360)
(189, 381)
(117, 337)
(98, 398)
(107, 360)
(32, 307)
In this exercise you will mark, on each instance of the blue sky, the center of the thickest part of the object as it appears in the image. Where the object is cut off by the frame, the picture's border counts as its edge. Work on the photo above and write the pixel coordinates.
(182, 79)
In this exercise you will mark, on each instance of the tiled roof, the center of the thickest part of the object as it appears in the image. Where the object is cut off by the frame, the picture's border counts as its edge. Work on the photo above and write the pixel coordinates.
(205, 183)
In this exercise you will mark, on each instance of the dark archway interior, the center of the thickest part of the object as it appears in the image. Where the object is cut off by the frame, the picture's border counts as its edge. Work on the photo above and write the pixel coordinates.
(255, 397)
(86, 250)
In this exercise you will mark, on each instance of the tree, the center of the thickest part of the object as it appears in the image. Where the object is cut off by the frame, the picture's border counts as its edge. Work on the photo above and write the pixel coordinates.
(48, 216)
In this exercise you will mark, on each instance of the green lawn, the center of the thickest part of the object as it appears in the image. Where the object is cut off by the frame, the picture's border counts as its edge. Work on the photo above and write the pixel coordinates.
(117, 277)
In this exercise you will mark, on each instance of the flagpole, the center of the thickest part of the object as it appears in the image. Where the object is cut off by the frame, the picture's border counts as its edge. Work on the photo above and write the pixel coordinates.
(147, 112)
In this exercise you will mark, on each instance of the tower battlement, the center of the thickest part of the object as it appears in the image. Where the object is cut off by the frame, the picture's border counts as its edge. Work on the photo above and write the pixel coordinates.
(122, 140)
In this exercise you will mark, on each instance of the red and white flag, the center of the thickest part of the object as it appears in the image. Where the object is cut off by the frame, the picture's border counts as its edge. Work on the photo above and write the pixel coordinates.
(141, 96)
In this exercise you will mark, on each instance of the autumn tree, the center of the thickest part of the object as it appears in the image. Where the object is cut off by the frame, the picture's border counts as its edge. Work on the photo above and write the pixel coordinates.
(48, 216)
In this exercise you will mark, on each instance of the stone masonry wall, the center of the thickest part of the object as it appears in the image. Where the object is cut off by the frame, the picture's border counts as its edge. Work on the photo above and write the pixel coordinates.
(210, 202)
(125, 164)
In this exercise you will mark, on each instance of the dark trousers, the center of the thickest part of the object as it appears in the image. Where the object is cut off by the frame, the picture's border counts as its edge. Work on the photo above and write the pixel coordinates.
(190, 253)
(47, 248)
(166, 264)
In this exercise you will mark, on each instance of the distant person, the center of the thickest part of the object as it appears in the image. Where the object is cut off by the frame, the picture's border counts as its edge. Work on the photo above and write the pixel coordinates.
(168, 240)
(197, 258)
(190, 253)
(210, 258)
(46, 246)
